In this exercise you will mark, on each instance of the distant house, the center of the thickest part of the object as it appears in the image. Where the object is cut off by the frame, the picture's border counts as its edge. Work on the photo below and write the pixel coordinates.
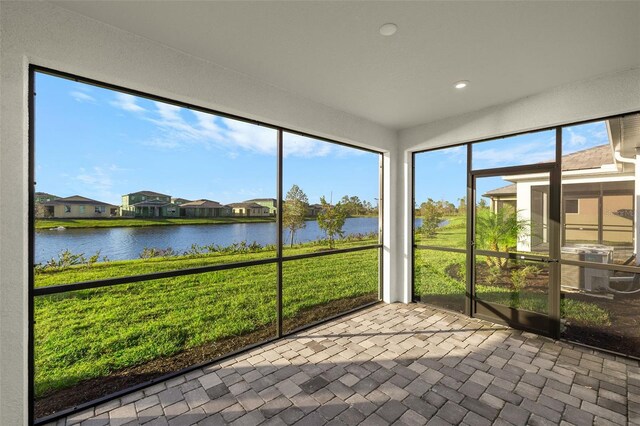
(179, 201)
(270, 203)
(314, 209)
(204, 208)
(148, 204)
(74, 207)
(249, 209)
(43, 197)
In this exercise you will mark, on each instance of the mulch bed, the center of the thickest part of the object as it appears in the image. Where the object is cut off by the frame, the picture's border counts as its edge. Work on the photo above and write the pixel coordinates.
(623, 335)
(92, 389)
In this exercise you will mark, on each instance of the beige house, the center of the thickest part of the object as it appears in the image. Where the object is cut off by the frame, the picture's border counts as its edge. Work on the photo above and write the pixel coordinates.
(249, 209)
(270, 203)
(598, 192)
(204, 208)
(75, 207)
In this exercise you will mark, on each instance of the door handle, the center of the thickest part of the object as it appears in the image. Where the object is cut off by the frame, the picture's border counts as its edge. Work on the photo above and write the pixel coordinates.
(536, 259)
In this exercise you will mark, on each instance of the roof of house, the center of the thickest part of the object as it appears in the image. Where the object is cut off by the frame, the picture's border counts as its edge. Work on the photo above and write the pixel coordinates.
(504, 190)
(45, 194)
(77, 199)
(591, 158)
(207, 204)
(152, 203)
(254, 200)
(316, 206)
(246, 205)
(180, 200)
(148, 194)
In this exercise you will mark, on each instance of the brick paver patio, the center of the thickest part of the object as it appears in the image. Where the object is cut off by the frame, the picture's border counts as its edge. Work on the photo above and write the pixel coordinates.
(394, 364)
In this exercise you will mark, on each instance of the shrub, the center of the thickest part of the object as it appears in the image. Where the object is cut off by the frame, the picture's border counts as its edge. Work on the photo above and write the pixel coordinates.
(148, 253)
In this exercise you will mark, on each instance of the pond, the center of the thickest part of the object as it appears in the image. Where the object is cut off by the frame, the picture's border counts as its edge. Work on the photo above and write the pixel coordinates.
(128, 242)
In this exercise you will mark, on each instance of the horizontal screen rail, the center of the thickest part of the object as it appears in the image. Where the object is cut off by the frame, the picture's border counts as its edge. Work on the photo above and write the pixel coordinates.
(330, 252)
(107, 282)
(514, 170)
(604, 266)
(86, 285)
(515, 256)
(451, 249)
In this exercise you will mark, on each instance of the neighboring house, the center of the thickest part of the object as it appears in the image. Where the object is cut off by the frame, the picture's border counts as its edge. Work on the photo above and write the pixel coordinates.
(204, 208)
(75, 207)
(249, 209)
(148, 204)
(598, 191)
(179, 201)
(43, 197)
(314, 209)
(270, 203)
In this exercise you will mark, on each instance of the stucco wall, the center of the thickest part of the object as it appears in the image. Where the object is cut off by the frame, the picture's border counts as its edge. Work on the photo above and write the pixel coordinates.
(43, 34)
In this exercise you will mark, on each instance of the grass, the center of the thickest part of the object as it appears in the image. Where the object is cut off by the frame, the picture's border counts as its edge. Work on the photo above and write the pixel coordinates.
(440, 277)
(93, 333)
(454, 234)
(138, 222)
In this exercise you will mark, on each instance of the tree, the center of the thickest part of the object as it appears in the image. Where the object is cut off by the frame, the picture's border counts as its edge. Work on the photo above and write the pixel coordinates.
(294, 210)
(331, 220)
(432, 215)
(353, 206)
(462, 205)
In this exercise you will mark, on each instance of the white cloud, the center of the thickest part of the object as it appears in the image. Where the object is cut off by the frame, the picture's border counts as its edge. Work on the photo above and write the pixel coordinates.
(98, 182)
(574, 139)
(82, 97)
(127, 103)
(213, 132)
(302, 146)
(516, 153)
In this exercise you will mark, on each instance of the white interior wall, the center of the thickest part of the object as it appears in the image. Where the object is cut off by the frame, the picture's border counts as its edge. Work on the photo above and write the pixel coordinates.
(43, 34)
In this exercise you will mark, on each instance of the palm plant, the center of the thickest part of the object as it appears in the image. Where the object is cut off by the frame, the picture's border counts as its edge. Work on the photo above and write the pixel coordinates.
(499, 231)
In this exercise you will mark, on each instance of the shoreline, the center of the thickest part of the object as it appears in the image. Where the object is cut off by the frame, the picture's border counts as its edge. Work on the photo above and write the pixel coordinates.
(49, 224)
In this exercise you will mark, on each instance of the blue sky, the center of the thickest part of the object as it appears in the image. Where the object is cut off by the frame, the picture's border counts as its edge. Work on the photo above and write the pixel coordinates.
(441, 174)
(101, 144)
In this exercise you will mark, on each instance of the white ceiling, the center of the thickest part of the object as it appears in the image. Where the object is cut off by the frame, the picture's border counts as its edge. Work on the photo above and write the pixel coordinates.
(332, 53)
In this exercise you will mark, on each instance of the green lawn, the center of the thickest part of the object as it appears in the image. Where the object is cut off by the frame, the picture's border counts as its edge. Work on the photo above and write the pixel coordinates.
(93, 333)
(454, 234)
(137, 222)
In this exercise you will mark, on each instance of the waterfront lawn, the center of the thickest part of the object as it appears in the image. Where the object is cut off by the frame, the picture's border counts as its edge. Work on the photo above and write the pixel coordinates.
(453, 234)
(96, 333)
(123, 268)
(138, 222)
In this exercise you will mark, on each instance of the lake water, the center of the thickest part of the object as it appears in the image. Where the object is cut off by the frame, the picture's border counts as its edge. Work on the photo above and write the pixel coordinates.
(128, 243)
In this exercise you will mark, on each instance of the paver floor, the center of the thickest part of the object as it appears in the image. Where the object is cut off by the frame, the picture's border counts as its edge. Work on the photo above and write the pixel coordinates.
(394, 364)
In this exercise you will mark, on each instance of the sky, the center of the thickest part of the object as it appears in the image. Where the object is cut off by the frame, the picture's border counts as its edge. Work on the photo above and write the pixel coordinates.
(101, 144)
(441, 174)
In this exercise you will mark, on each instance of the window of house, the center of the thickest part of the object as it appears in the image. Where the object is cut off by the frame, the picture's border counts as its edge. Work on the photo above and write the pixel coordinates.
(82, 209)
(571, 206)
(67, 209)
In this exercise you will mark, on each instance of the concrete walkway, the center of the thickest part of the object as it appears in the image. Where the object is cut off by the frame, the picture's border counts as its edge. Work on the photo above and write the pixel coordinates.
(394, 364)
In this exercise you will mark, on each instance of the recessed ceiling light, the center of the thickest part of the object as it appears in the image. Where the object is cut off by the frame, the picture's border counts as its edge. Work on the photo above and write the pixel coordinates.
(388, 29)
(461, 84)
